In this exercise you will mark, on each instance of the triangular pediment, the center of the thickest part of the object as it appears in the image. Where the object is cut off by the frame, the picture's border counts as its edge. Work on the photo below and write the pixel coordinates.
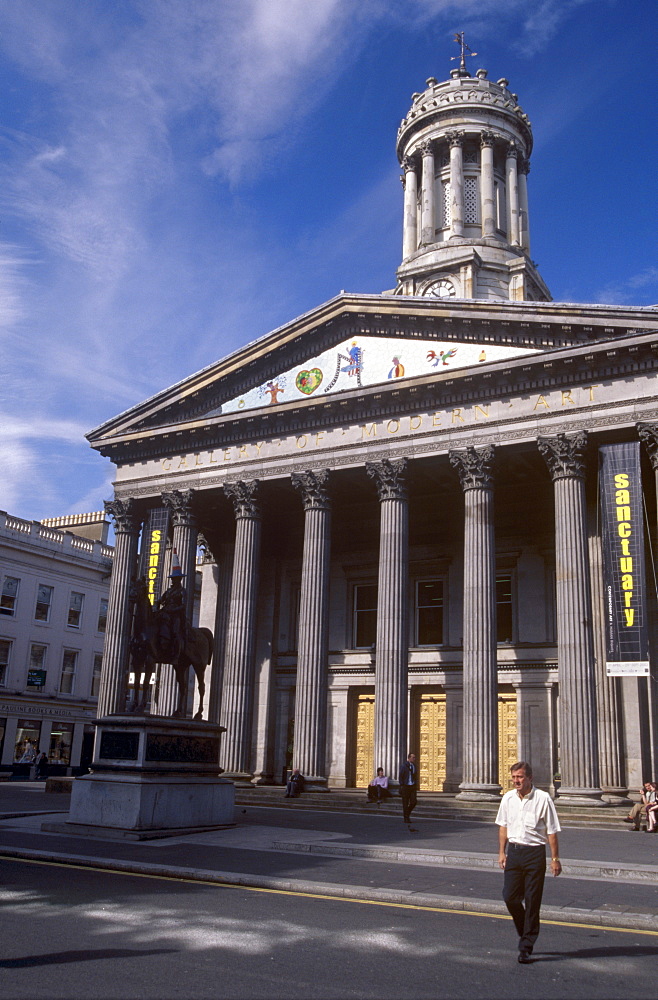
(358, 343)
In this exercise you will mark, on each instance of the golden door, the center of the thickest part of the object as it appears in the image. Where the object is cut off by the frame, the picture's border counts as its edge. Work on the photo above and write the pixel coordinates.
(365, 740)
(507, 738)
(432, 741)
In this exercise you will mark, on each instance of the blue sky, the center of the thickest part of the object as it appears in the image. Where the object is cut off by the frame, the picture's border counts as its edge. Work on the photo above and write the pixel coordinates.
(179, 177)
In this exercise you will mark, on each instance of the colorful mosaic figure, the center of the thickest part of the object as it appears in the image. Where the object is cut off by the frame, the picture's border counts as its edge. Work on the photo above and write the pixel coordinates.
(353, 368)
(273, 390)
(397, 371)
(443, 356)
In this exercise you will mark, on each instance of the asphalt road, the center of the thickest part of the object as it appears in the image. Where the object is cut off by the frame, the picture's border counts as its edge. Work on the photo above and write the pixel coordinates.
(80, 934)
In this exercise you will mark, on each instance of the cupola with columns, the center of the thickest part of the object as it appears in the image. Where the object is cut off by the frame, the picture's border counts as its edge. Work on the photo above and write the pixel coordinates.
(465, 151)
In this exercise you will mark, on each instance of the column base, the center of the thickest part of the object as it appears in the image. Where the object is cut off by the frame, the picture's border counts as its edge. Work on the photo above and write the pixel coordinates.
(241, 779)
(314, 783)
(580, 796)
(471, 792)
(617, 796)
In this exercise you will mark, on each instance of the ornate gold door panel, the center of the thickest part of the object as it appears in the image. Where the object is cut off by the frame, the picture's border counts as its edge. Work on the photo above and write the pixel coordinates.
(432, 741)
(365, 740)
(507, 738)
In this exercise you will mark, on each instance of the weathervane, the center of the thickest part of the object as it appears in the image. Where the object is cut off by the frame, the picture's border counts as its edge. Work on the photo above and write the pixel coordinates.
(465, 50)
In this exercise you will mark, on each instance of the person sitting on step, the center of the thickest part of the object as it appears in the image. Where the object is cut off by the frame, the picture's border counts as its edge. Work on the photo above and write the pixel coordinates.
(378, 787)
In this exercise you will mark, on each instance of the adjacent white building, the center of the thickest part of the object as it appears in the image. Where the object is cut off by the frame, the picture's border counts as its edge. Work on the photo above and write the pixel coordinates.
(53, 611)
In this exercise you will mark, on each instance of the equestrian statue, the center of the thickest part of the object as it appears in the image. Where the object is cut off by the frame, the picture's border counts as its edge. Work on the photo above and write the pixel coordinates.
(163, 634)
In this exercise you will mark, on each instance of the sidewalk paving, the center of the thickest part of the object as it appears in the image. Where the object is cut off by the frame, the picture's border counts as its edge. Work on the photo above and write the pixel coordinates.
(610, 878)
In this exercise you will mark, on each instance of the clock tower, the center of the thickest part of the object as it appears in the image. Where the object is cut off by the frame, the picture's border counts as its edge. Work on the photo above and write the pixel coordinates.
(465, 151)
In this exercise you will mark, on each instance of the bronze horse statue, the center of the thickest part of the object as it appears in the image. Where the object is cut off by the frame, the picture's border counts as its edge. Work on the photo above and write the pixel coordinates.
(146, 649)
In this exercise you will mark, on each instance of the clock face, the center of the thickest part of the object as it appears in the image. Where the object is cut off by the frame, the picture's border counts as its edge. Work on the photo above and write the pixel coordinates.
(442, 289)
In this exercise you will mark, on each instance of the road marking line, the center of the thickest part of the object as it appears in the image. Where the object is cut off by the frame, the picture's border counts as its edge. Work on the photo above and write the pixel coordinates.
(316, 895)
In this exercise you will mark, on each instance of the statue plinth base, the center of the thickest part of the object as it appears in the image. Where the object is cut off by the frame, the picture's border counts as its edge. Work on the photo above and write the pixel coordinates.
(151, 777)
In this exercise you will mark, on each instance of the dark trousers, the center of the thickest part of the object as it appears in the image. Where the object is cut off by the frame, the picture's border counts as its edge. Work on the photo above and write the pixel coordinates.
(525, 869)
(408, 794)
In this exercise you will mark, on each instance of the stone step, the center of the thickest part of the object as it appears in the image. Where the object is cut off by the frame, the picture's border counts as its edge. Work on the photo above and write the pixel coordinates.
(430, 806)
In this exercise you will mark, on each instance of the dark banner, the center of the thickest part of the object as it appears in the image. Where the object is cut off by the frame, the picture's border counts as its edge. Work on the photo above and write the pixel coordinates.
(152, 555)
(624, 580)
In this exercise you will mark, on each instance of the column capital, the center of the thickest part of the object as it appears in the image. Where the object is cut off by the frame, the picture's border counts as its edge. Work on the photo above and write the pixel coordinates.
(313, 486)
(512, 151)
(179, 503)
(427, 148)
(524, 165)
(408, 164)
(455, 138)
(474, 466)
(124, 513)
(564, 455)
(648, 435)
(487, 138)
(244, 497)
(390, 478)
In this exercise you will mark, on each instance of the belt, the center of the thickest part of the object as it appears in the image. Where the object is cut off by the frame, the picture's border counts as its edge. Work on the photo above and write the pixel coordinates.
(527, 847)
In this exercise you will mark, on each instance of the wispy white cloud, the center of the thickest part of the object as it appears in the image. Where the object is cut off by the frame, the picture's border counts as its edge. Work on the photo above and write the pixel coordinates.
(626, 291)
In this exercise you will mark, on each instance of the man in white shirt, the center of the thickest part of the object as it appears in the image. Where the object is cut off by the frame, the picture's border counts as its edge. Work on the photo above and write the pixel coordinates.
(527, 821)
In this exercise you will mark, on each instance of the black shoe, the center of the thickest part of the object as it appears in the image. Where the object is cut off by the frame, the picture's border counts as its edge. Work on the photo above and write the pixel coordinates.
(524, 958)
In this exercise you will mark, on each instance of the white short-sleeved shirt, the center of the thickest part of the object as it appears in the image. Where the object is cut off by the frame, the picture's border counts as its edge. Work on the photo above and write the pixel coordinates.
(530, 819)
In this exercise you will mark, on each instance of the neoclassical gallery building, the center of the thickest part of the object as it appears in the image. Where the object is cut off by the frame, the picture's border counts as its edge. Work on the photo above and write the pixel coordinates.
(398, 497)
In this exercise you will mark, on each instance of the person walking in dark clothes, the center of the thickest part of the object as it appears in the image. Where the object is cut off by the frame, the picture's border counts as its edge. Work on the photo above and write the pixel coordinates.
(527, 821)
(408, 789)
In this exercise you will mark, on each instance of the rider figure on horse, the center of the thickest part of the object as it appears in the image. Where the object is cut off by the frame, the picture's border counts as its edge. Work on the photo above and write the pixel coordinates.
(171, 616)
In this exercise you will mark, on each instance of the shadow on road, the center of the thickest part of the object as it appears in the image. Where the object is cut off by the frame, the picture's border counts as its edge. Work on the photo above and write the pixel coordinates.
(86, 955)
(629, 951)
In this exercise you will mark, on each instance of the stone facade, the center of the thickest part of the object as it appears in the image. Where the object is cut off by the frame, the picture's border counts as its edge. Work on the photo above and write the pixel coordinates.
(53, 617)
(397, 494)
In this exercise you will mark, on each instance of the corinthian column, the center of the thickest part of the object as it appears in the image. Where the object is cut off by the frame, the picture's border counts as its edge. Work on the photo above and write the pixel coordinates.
(410, 225)
(565, 457)
(392, 648)
(427, 210)
(608, 694)
(456, 141)
(512, 195)
(524, 218)
(480, 774)
(313, 642)
(179, 503)
(487, 187)
(114, 675)
(237, 709)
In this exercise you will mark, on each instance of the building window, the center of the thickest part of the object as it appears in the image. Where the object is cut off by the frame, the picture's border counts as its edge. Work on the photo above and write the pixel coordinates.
(61, 738)
(69, 664)
(96, 675)
(445, 205)
(36, 673)
(75, 609)
(429, 612)
(365, 615)
(5, 653)
(44, 600)
(504, 608)
(471, 201)
(26, 747)
(102, 615)
(295, 606)
(9, 596)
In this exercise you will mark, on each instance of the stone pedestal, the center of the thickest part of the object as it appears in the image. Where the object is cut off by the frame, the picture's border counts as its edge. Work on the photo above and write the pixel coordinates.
(151, 777)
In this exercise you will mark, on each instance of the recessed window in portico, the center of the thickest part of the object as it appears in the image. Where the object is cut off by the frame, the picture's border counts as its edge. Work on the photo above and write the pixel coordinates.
(429, 612)
(504, 608)
(364, 618)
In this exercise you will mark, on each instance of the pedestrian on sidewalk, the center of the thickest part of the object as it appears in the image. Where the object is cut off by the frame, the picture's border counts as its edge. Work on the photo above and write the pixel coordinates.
(41, 767)
(408, 789)
(378, 787)
(527, 821)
